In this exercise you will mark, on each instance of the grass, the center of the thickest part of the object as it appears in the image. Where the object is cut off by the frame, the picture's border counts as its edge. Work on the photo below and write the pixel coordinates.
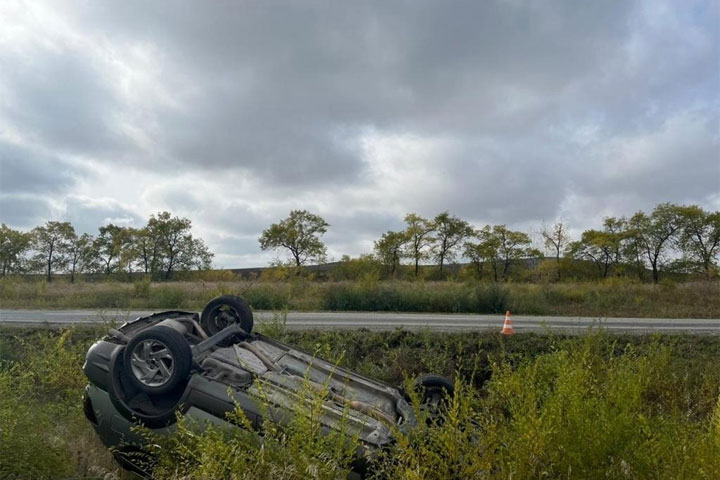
(529, 406)
(611, 298)
(43, 433)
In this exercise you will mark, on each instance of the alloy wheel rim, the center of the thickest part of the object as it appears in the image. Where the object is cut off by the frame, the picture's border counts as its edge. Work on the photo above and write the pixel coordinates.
(152, 363)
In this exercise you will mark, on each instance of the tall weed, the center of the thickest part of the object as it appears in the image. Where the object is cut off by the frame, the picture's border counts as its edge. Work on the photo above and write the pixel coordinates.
(527, 406)
(582, 412)
(43, 433)
(613, 297)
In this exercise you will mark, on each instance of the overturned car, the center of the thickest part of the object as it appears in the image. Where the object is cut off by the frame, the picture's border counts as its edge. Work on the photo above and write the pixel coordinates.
(203, 366)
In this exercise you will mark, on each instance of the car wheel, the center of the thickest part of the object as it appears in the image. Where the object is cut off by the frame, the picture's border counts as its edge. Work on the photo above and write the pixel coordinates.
(225, 310)
(157, 360)
(435, 393)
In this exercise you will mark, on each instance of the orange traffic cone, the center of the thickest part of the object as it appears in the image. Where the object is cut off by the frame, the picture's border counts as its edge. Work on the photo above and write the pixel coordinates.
(507, 326)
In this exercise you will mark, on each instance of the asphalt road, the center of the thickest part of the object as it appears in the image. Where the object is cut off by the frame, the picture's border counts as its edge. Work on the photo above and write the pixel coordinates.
(389, 321)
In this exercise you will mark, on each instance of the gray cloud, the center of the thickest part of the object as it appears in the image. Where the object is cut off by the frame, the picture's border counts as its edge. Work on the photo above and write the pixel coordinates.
(61, 100)
(87, 215)
(270, 86)
(678, 160)
(25, 171)
(237, 112)
(24, 211)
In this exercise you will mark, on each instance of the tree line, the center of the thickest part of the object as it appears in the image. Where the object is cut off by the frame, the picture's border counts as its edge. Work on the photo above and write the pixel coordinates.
(673, 237)
(686, 238)
(163, 246)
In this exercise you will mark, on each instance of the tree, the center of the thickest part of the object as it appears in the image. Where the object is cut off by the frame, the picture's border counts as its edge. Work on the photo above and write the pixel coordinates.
(499, 244)
(483, 252)
(13, 246)
(364, 267)
(556, 239)
(654, 234)
(147, 246)
(617, 231)
(512, 245)
(175, 247)
(419, 231)
(450, 232)
(195, 255)
(632, 251)
(700, 235)
(51, 242)
(473, 252)
(300, 234)
(173, 236)
(596, 246)
(603, 247)
(129, 253)
(389, 249)
(109, 245)
(80, 254)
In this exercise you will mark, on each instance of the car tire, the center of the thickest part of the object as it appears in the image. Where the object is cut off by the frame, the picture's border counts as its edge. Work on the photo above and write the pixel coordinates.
(435, 392)
(157, 360)
(225, 310)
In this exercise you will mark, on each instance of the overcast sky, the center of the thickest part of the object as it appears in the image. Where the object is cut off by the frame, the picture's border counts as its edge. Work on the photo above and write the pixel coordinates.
(233, 113)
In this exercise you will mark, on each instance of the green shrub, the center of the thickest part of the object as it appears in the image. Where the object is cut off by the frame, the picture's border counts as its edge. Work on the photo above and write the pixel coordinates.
(492, 298)
(214, 276)
(142, 288)
(277, 327)
(527, 406)
(268, 296)
(586, 412)
(167, 296)
(582, 412)
(43, 433)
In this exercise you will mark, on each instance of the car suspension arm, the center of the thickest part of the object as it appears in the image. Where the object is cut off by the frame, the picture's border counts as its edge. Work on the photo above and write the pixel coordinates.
(203, 347)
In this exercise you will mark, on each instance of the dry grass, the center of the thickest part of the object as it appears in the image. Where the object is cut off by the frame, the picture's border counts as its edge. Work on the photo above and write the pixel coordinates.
(611, 298)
